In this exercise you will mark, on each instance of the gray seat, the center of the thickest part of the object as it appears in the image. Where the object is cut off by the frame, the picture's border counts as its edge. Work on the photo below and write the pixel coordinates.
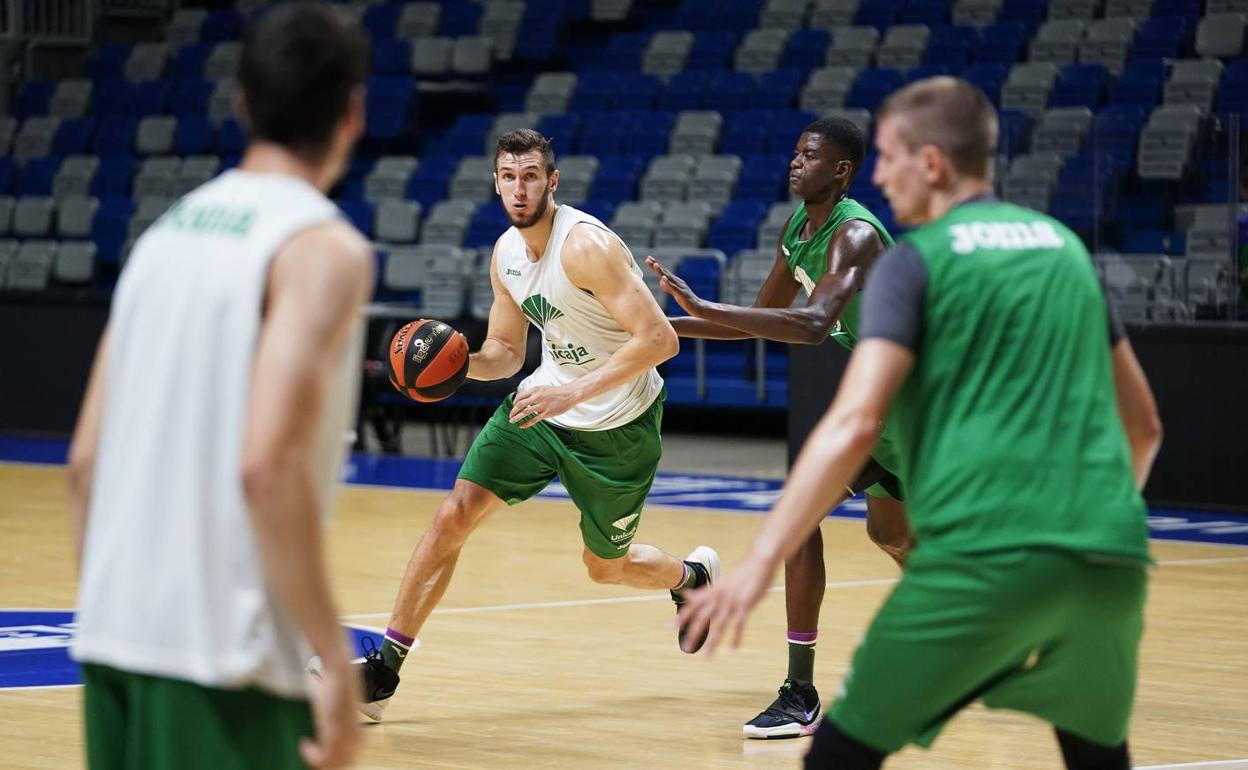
(696, 133)
(31, 266)
(745, 274)
(1031, 179)
(1168, 140)
(6, 214)
(148, 211)
(1108, 41)
(389, 177)
(1028, 86)
(196, 170)
(609, 11)
(1221, 34)
(223, 61)
(74, 176)
(851, 47)
(1074, 9)
(447, 222)
(1128, 9)
(634, 222)
(155, 135)
(75, 263)
(784, 14)
(8, 250)
(221, 102)
(859, 117)
(158, 177)
(472, 55)
(482, 289)
(184, 27)
(903, 46)
(667, 178)
(828, 14)
(70, 99)
(1062, 130)
(975, 13)
(1057, 41)
(760, 50)
(1193, 82)
(74, 217)
(1208, 283)
(666, 52)
(32, 217)
(419, 20)
(8, 129)
(576, 177)
(431, 55)
(550, 92)
(34, 138)
(504, 122)
(1226, 6)
(440, 273)
(771, 227)
(1209, 240)
(146, 62)
(500, 22)
(827, 88)
(397, 221)
(1137, 277)
(474, 179)
(714, 179)
(684, 225)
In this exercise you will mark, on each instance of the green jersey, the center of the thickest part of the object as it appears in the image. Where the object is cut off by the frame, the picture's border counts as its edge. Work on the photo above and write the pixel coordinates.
(1008, 423)
(808, 259)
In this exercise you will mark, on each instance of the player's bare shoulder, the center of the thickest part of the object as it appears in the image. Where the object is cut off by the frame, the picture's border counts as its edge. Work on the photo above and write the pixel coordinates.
(334, 247)
(588, 244)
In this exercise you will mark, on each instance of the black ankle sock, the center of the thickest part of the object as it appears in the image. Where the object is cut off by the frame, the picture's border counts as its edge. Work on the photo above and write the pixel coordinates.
(834, 750)
(1082, 754)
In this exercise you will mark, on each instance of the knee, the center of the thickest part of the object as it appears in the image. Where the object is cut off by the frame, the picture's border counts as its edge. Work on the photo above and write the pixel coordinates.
(454, 521)
(602, 570)
(896, 544)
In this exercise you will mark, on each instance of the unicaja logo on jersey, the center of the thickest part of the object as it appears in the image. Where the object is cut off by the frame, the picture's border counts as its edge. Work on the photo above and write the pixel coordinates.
(540, 311)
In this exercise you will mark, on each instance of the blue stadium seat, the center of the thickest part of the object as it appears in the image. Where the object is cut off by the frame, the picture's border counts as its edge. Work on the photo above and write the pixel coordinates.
(361, 213)
(8, 170)
(1233, 93)
(222, 25)
(1152, 241)
(595, 91)
(195, 135)
(113, 97)
(33, 99)
(230, 139)
(459, 19)
(737, 226)
(805, 49)
(1015, 129)
(1189, 9)
(930, 12)
(151, 97)
(951, 46)
(764, 178)
(712, 50)
(1116, 131)
(1162, 37)
(880, 14)
(487, 224)
(432, 178)
(190, 97)
(35, 176)
(729, 91)
(381, 20)
(389, 101)
(73, 137)
(1085, 192)
(466, 136)
(351, 187)
(392, 57)
(703, 274)
(188, 62)
(617, 178)
(778, 90)
(988, 77)
(601, 210)
(636, 92)
(109, 228)
(561, 129)
(747, 132)
(684, 91)
(927, 71)
(623, 52)
(1144, 210)
(604, 133)
(109, 60)
(1079, 85)
(1001, 43)
(1140, 83)
(649, 134)
(872, 86)
(785, 131)
(1029, 11)
(112, 179)
(115, 136)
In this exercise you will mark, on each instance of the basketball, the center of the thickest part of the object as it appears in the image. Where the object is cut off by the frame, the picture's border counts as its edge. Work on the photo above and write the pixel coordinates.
(428, 360)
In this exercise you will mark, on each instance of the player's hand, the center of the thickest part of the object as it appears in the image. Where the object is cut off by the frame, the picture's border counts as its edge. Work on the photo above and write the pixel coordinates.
(676, 286)
(540, 403)
(722, 608)
(338, 733)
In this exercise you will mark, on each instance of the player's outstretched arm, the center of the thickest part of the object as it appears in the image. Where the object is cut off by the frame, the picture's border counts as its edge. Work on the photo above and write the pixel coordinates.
(851, 252)
(596, 261)
(502, 353)
(1137, 409)
(836, 450)
(317, 285)
(82, 448)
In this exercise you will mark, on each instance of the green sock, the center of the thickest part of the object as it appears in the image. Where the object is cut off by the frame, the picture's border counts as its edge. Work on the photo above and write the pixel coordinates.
(394, 652)
(802, 662)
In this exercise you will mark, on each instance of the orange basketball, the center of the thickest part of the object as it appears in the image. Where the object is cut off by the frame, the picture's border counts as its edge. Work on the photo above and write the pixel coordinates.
(428, 360)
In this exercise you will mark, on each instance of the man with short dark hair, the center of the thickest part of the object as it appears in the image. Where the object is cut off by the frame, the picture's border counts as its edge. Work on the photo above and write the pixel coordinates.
(590, 413)
(212, 433)
(1026, 429)
(827, 249)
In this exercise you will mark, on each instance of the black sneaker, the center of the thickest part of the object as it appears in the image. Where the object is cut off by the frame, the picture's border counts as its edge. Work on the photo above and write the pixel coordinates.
(791, 715)
(705, 565)
(380, 681)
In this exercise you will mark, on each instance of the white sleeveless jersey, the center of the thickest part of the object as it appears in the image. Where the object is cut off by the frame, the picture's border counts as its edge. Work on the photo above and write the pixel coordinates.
(172, 584)
(578, 334)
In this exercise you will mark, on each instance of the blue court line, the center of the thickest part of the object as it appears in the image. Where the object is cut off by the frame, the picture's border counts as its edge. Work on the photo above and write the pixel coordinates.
(684, 490)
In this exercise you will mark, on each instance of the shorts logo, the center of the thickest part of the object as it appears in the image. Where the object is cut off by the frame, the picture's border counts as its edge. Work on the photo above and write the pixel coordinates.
(626, 522)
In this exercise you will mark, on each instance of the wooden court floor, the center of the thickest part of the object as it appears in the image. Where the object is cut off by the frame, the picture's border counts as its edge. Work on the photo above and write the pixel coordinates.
(529, 665)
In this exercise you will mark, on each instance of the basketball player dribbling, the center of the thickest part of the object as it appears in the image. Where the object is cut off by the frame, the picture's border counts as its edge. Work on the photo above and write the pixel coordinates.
(212, 432)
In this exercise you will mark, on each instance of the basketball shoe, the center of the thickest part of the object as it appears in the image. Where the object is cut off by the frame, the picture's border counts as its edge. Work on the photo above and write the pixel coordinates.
(379, 680)
(791, 715)
(705, 565)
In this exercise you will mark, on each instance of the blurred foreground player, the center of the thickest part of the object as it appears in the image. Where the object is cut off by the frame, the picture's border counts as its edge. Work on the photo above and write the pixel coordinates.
(212, 432)
(590, 413)
(1026, 428)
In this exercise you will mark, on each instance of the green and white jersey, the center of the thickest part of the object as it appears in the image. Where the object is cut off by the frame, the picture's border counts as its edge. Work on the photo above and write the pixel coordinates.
(578, 333)
(808, 259)
(1008, 424)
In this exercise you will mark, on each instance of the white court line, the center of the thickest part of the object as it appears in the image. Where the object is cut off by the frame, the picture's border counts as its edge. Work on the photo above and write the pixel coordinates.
(1234, 764)
(1210, 560)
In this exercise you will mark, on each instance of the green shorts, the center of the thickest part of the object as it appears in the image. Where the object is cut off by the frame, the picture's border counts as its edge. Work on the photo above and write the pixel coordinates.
(607, 473)
(887, 454)
(1051, 633)
(139, 721)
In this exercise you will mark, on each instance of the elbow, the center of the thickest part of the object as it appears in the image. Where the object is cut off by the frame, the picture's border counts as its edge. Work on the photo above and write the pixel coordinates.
(863, 432)
(1152, 430)
(262, 477)
(666, 343)
(78, 471)
(814, 333)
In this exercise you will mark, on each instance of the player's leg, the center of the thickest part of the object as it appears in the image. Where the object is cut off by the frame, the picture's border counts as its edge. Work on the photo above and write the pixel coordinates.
(832, 749)
(888, 527)
(1082, 754)
(105, 707)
